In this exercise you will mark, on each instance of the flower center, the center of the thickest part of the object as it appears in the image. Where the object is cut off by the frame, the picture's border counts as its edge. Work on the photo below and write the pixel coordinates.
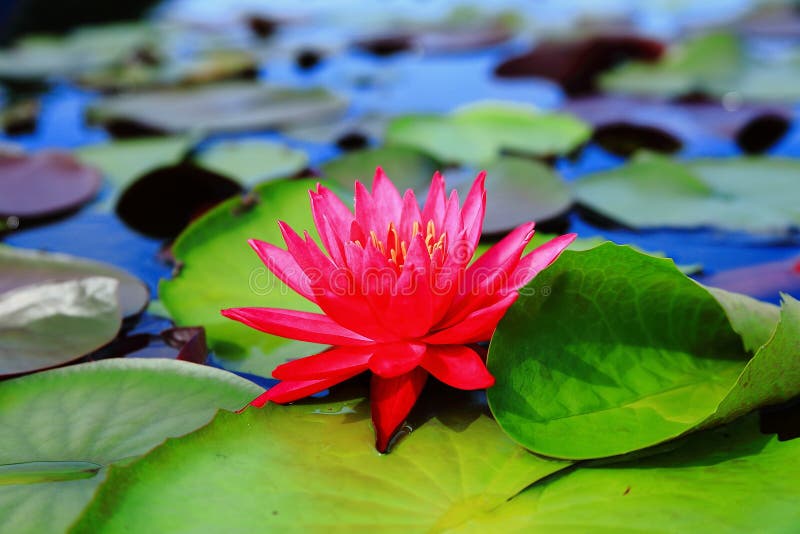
(396, 249)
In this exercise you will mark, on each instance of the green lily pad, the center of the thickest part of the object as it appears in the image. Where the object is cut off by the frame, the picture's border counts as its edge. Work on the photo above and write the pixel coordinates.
(52, 323)
(312, 467)
(22, 267)
(219, 270)
(63, 428)
(695, 65)
(43, 56)
(224, 107)
(609, 351)
(519, 190)
(123, 161)
(128, 74)
(732, 479)
(252, 161)
(408, 168)
(738, 194)
(477, 134)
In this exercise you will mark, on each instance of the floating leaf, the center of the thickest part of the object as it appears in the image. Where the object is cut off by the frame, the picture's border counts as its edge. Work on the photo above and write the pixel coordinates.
(476, 134)
(730, 480)
(162, 202)
(22, 267)
(692, 66)
(408, 168)
(762, 280)
(52, 323)
(150, 70)
(62, 428)
(44, 184)
(575, 65)
(252, 161)
(42, 56)
(610, 351)
(623, 125)
(520, 190)
(257, 465)
(228, 107)
(218, 270)
(123, 161)
(749, 194)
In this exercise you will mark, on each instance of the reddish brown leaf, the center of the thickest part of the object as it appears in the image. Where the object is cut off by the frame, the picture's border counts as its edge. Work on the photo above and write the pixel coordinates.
(575, 65)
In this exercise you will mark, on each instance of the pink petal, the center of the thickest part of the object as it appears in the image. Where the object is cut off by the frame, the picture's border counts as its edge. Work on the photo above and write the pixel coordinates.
(290, 390)
(395, 359)
(284, 266)
(452, 223)
(325, 365)
(477, 326)
(366, 212)
(391, 400)
(409, 215)
(326, 202)
(386, 199)
(489, 274)
(539, 259)
(458, 366)
(475, 208)
(435, 203)
(299, 325)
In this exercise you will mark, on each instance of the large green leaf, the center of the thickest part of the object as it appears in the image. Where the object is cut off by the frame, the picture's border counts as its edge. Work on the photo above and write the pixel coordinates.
(610, 351)
(732, 479)
(478, 133)
(750, 194)
(312, 467)
(62, 428)
(21, 267)
(252, 161)
(219, 270)
(51, 323)
(222, 107)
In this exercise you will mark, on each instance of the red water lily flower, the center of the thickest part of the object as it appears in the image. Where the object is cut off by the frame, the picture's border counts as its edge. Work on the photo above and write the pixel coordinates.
(399, 293)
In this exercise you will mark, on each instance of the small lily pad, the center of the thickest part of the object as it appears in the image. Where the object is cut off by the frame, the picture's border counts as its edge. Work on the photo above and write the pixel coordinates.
(478, 133)
(744, 194)
(252, 161)
(22, 267)
(121, 162)
(226, 107)
(52, 323)
(44, 184)
(407, 168)
(63, 428)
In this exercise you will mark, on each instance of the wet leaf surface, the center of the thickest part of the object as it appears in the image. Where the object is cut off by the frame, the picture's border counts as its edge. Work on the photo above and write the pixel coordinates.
(49, 324)
(23, 267)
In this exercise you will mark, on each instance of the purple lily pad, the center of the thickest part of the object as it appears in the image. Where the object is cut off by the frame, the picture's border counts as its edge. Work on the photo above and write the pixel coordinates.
(44, 184)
